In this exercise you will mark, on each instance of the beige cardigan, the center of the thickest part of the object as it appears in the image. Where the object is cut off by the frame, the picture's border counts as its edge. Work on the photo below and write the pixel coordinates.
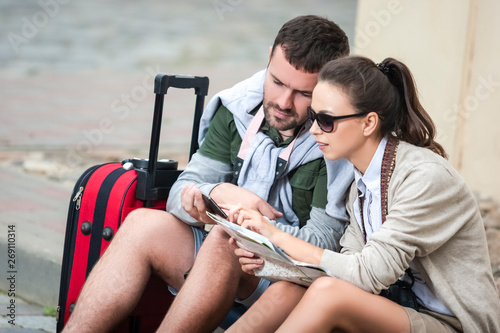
(434, 221)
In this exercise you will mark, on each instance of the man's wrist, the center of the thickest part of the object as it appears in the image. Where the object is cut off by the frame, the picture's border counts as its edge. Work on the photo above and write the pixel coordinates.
(216, 190)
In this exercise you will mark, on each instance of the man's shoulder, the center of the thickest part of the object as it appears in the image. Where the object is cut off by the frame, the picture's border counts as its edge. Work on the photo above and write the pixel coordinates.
(223, 118)
(223, 113)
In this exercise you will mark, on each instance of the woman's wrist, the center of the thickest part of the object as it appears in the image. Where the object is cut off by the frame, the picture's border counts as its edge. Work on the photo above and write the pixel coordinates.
(278, 236)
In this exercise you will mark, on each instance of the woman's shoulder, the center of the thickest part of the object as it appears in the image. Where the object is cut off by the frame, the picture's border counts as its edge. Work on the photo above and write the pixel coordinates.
(410, 158)
(408, 153)
(421, 173)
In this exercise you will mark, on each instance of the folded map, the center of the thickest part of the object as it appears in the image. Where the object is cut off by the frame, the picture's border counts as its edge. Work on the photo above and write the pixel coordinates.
(277, 264)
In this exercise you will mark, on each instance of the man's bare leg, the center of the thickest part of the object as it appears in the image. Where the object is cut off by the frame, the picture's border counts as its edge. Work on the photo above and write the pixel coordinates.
(215, 280)
(149, 241)
(335, 305)
(270, 310)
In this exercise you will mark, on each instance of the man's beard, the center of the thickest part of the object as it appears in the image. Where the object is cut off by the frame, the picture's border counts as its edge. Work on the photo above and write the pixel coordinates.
(279, 124)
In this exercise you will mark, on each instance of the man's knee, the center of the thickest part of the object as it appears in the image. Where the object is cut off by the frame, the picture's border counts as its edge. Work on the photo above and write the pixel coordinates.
(217, 250)
(145, 216)
(217, 240)
(150, 222)
(155, 233)
(217, 234)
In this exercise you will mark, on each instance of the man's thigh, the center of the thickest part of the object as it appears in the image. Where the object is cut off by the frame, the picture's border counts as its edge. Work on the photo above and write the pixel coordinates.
(163, 241)
(219, 252)
(199, 236)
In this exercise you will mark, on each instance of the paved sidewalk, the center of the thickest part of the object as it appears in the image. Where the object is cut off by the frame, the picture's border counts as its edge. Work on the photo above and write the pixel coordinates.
(33, 211)
(29, 318)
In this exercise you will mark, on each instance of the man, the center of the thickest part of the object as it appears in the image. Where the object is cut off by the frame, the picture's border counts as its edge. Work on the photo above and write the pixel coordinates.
(277, 170)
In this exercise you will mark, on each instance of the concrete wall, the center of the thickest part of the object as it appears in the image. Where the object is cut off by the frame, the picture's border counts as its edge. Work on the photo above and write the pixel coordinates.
(453, 50)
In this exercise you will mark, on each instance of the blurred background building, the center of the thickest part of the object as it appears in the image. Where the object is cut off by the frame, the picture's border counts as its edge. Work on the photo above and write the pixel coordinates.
(452, 47)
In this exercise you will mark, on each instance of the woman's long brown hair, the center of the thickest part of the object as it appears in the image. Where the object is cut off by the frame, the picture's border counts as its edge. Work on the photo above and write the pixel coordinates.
(389, 90)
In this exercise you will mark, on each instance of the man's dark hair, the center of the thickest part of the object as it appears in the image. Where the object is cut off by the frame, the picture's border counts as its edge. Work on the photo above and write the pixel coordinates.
(310, 41)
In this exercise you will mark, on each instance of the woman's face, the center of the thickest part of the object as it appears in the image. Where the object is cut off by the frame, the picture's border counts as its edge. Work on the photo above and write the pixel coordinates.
(346, 138)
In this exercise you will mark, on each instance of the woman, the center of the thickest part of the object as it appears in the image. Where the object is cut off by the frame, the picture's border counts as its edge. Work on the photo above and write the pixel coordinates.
(413, 219)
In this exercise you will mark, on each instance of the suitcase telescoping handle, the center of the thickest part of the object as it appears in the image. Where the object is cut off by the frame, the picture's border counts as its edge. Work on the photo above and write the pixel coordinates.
(147, 189)
(162, 83)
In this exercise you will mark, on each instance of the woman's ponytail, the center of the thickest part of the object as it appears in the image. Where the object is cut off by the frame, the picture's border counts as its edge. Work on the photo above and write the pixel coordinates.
(414, 125)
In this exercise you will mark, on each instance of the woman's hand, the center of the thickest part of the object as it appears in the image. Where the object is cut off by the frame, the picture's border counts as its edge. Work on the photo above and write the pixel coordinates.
(296, 248)
(253, 220)
(230, 194)
(248, 260)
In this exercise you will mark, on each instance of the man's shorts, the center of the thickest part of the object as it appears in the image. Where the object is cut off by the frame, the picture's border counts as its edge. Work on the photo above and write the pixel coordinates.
(199, 237)
(428, 321)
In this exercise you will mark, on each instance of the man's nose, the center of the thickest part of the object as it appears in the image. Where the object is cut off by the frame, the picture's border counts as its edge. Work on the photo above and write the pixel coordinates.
(285, 100)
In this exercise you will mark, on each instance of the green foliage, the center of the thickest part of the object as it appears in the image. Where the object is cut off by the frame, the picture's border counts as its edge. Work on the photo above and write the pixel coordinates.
(49, 311)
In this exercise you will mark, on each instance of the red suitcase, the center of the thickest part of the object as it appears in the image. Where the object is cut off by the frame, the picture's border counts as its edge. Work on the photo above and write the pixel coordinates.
(105, 194)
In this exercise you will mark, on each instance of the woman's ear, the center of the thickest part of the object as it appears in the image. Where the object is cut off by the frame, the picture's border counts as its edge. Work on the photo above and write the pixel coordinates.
(371, 124)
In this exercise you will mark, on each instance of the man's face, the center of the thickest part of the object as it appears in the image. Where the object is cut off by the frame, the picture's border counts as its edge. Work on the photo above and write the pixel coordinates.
(287, 93)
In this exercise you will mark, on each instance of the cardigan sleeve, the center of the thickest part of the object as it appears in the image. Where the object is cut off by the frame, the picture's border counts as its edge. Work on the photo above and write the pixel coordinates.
(428, 204)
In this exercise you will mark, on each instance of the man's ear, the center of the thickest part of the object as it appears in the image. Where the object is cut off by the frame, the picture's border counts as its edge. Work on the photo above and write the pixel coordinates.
(370, 123)
(270, 53)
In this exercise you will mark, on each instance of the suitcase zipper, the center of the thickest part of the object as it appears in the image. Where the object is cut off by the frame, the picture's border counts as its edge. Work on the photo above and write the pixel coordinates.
(70, 234)
(78, 198)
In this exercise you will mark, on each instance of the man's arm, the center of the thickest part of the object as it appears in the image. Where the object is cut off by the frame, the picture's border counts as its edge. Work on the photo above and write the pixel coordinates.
(210, 168)
(328, 216)
(206, 173)
(212, 178)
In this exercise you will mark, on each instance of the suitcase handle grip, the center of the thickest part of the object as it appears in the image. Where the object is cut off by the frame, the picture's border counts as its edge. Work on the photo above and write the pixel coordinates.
(162, 83)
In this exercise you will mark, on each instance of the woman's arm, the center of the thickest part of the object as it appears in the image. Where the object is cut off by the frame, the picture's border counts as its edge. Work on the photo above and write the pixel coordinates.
(296, 248)
(428, 205)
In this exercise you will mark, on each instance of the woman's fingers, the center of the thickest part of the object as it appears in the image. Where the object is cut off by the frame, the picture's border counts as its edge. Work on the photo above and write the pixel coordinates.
(243, 253)
(248, 260)
(248, 264)
(232, 211)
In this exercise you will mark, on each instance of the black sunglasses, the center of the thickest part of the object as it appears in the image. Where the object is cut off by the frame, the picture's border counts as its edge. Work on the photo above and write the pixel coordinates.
(325, 121)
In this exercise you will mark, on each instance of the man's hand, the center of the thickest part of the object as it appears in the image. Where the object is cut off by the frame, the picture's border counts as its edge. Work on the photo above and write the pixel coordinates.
(227, 193)
(193, 204)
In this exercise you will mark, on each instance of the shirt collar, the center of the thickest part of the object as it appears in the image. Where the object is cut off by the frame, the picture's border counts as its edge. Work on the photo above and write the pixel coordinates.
(371, 179)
